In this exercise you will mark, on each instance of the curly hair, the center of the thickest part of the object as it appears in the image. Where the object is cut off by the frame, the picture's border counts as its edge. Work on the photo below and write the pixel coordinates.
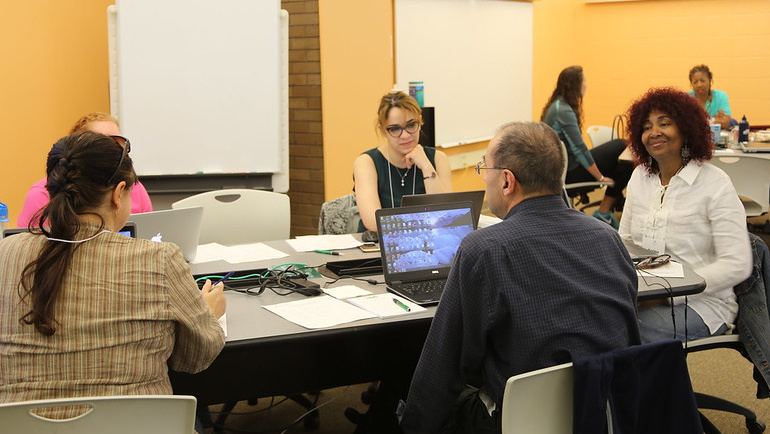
(568, 87)
(82, 123)
(685, 111)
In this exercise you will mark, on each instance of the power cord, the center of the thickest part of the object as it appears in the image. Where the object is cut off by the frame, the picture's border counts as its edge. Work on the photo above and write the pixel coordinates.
(347, 276)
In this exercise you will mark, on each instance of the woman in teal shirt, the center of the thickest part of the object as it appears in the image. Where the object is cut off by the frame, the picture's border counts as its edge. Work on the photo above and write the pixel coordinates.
(714, 101)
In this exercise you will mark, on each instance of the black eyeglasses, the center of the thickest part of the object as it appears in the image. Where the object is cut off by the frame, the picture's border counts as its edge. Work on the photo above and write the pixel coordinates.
(653, 262)
(411, 127)
(126, 145)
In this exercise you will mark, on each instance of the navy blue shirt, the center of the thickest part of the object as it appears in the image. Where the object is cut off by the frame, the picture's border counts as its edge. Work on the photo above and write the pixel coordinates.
(522, 294)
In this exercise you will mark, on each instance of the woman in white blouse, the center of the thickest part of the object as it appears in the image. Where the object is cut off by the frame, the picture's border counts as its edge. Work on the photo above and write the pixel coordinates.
(678, 203)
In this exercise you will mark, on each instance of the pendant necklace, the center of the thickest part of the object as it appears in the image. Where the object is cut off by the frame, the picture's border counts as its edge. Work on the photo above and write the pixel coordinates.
(403, 177)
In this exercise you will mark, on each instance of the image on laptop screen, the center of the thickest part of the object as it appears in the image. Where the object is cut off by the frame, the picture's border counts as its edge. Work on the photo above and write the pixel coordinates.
(423, 239)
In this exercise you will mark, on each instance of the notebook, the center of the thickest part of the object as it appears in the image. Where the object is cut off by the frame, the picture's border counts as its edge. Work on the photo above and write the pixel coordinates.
(753, 147)
(476, 197)
(179, 226)
(418, 245)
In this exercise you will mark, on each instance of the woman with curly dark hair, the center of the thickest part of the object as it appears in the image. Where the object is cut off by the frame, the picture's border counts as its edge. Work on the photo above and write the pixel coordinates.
(678, 203)
(564, 113)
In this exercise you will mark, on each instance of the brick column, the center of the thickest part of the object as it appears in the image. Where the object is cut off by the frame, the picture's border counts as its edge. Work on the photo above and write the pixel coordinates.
(306, 180)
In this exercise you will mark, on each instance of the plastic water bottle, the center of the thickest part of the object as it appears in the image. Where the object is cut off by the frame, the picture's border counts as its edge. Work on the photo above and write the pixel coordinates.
(743, 130)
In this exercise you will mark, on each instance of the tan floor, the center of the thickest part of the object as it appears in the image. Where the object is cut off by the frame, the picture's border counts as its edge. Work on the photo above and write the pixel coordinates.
(720, 372)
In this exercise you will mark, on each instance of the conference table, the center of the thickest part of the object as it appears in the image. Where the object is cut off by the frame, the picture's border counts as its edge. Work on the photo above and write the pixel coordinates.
(266, 355)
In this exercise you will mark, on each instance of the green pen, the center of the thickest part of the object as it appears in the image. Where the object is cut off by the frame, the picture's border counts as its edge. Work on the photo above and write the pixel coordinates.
(401, 305)
(328, 252)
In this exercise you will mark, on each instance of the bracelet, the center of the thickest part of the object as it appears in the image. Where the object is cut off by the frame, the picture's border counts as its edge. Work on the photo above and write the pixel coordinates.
(432, 175)
(601, 179)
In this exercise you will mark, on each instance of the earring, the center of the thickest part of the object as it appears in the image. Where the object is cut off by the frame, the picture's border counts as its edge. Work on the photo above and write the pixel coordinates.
(117, 212)
(686, 152)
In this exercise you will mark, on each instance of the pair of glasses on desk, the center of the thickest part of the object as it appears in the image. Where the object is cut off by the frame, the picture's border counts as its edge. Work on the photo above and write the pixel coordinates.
(652, 262)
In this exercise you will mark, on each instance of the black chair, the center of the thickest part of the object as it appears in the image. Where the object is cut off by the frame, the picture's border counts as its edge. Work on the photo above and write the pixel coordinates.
(752, 294)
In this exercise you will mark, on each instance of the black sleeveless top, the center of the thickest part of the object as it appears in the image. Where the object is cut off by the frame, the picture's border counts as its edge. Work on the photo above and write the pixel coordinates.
(413, 182)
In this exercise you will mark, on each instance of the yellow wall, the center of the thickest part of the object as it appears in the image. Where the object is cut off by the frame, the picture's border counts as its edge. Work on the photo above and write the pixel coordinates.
(54, 57)
(54, 70)
(356, 70)
(627, 47)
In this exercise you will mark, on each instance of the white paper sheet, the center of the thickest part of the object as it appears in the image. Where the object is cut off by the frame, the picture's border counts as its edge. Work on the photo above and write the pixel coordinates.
(309, 243)
(237, 254)
(385, 306)
(319, 312)
(223, 322)
(346, 291)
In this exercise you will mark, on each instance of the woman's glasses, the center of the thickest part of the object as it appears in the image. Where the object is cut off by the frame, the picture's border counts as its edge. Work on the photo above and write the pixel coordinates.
(411, 127)
(126, 145)
(652, 262)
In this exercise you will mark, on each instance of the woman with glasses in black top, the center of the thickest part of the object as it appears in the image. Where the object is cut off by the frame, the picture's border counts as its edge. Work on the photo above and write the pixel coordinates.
(400, 166)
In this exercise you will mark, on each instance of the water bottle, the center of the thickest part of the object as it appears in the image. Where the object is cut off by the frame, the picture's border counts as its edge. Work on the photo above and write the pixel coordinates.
(416, 90)
(743, 130)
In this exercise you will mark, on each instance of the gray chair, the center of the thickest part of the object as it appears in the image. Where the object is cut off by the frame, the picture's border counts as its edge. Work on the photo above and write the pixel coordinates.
(241, 216)
(149, 414)
(751, 178)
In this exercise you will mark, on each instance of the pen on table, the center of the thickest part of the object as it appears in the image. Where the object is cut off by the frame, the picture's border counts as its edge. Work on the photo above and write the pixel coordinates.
(401, 305)
(223, 278)
(328, 252)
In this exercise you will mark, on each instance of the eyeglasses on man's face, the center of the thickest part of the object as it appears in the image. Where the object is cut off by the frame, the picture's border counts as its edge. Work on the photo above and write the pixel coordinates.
(126, 145)
(482, 165)
(411, 127)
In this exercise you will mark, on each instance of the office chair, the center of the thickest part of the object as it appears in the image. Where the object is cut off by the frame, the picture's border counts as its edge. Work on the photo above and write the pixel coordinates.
(619, 389)
(151, 414)
(577, 193)
(751, 178)
(753, 332)
(241, 216)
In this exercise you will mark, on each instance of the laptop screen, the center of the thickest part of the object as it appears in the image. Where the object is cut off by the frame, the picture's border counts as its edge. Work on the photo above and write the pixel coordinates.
(422, 238)
(476, 197)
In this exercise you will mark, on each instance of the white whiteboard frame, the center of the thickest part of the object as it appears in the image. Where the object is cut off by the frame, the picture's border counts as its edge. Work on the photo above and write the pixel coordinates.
(277, 160)
(474, 58)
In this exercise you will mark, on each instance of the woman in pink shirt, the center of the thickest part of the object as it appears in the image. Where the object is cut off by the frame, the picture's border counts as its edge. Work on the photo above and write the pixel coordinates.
(37, 196)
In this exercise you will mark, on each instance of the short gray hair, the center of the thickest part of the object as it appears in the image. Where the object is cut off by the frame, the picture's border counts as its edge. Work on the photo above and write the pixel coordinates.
(535, 155)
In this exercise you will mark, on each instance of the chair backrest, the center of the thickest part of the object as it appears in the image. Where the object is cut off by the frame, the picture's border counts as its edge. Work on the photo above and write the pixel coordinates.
(150, 414)
(241, 216)
(599, 134)
(539, 402)
(751, 179)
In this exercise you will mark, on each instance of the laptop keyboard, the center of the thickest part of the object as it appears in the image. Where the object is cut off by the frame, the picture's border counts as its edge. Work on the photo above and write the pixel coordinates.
(423, 287)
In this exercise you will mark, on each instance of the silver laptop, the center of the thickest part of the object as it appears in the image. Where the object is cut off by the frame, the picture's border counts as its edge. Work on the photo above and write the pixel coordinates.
(179, 226)
(638, 252)
(418, 245)
(754, 147)
(476, 197)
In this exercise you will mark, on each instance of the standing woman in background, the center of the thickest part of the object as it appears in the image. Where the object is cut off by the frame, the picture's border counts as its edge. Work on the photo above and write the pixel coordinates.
(564, 113)
(400, 166)
(86, 311)
(714, 101)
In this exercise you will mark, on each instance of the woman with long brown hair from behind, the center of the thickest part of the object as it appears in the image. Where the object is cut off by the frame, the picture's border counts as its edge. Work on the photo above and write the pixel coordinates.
(86, 311)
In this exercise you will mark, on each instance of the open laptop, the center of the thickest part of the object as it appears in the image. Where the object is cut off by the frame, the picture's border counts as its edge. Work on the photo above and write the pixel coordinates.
(476, 197)
(638, 252)
(179, 226)
(418, 245)
(754, 147)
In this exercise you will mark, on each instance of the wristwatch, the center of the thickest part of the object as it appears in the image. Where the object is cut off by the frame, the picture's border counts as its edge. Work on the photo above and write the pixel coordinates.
(432, 175)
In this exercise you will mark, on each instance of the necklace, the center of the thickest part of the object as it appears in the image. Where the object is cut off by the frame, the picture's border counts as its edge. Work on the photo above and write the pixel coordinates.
(403, 177)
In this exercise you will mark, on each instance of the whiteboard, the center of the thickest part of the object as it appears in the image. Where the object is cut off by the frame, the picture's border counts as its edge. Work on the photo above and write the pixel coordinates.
(474, 58)
(197, 85)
